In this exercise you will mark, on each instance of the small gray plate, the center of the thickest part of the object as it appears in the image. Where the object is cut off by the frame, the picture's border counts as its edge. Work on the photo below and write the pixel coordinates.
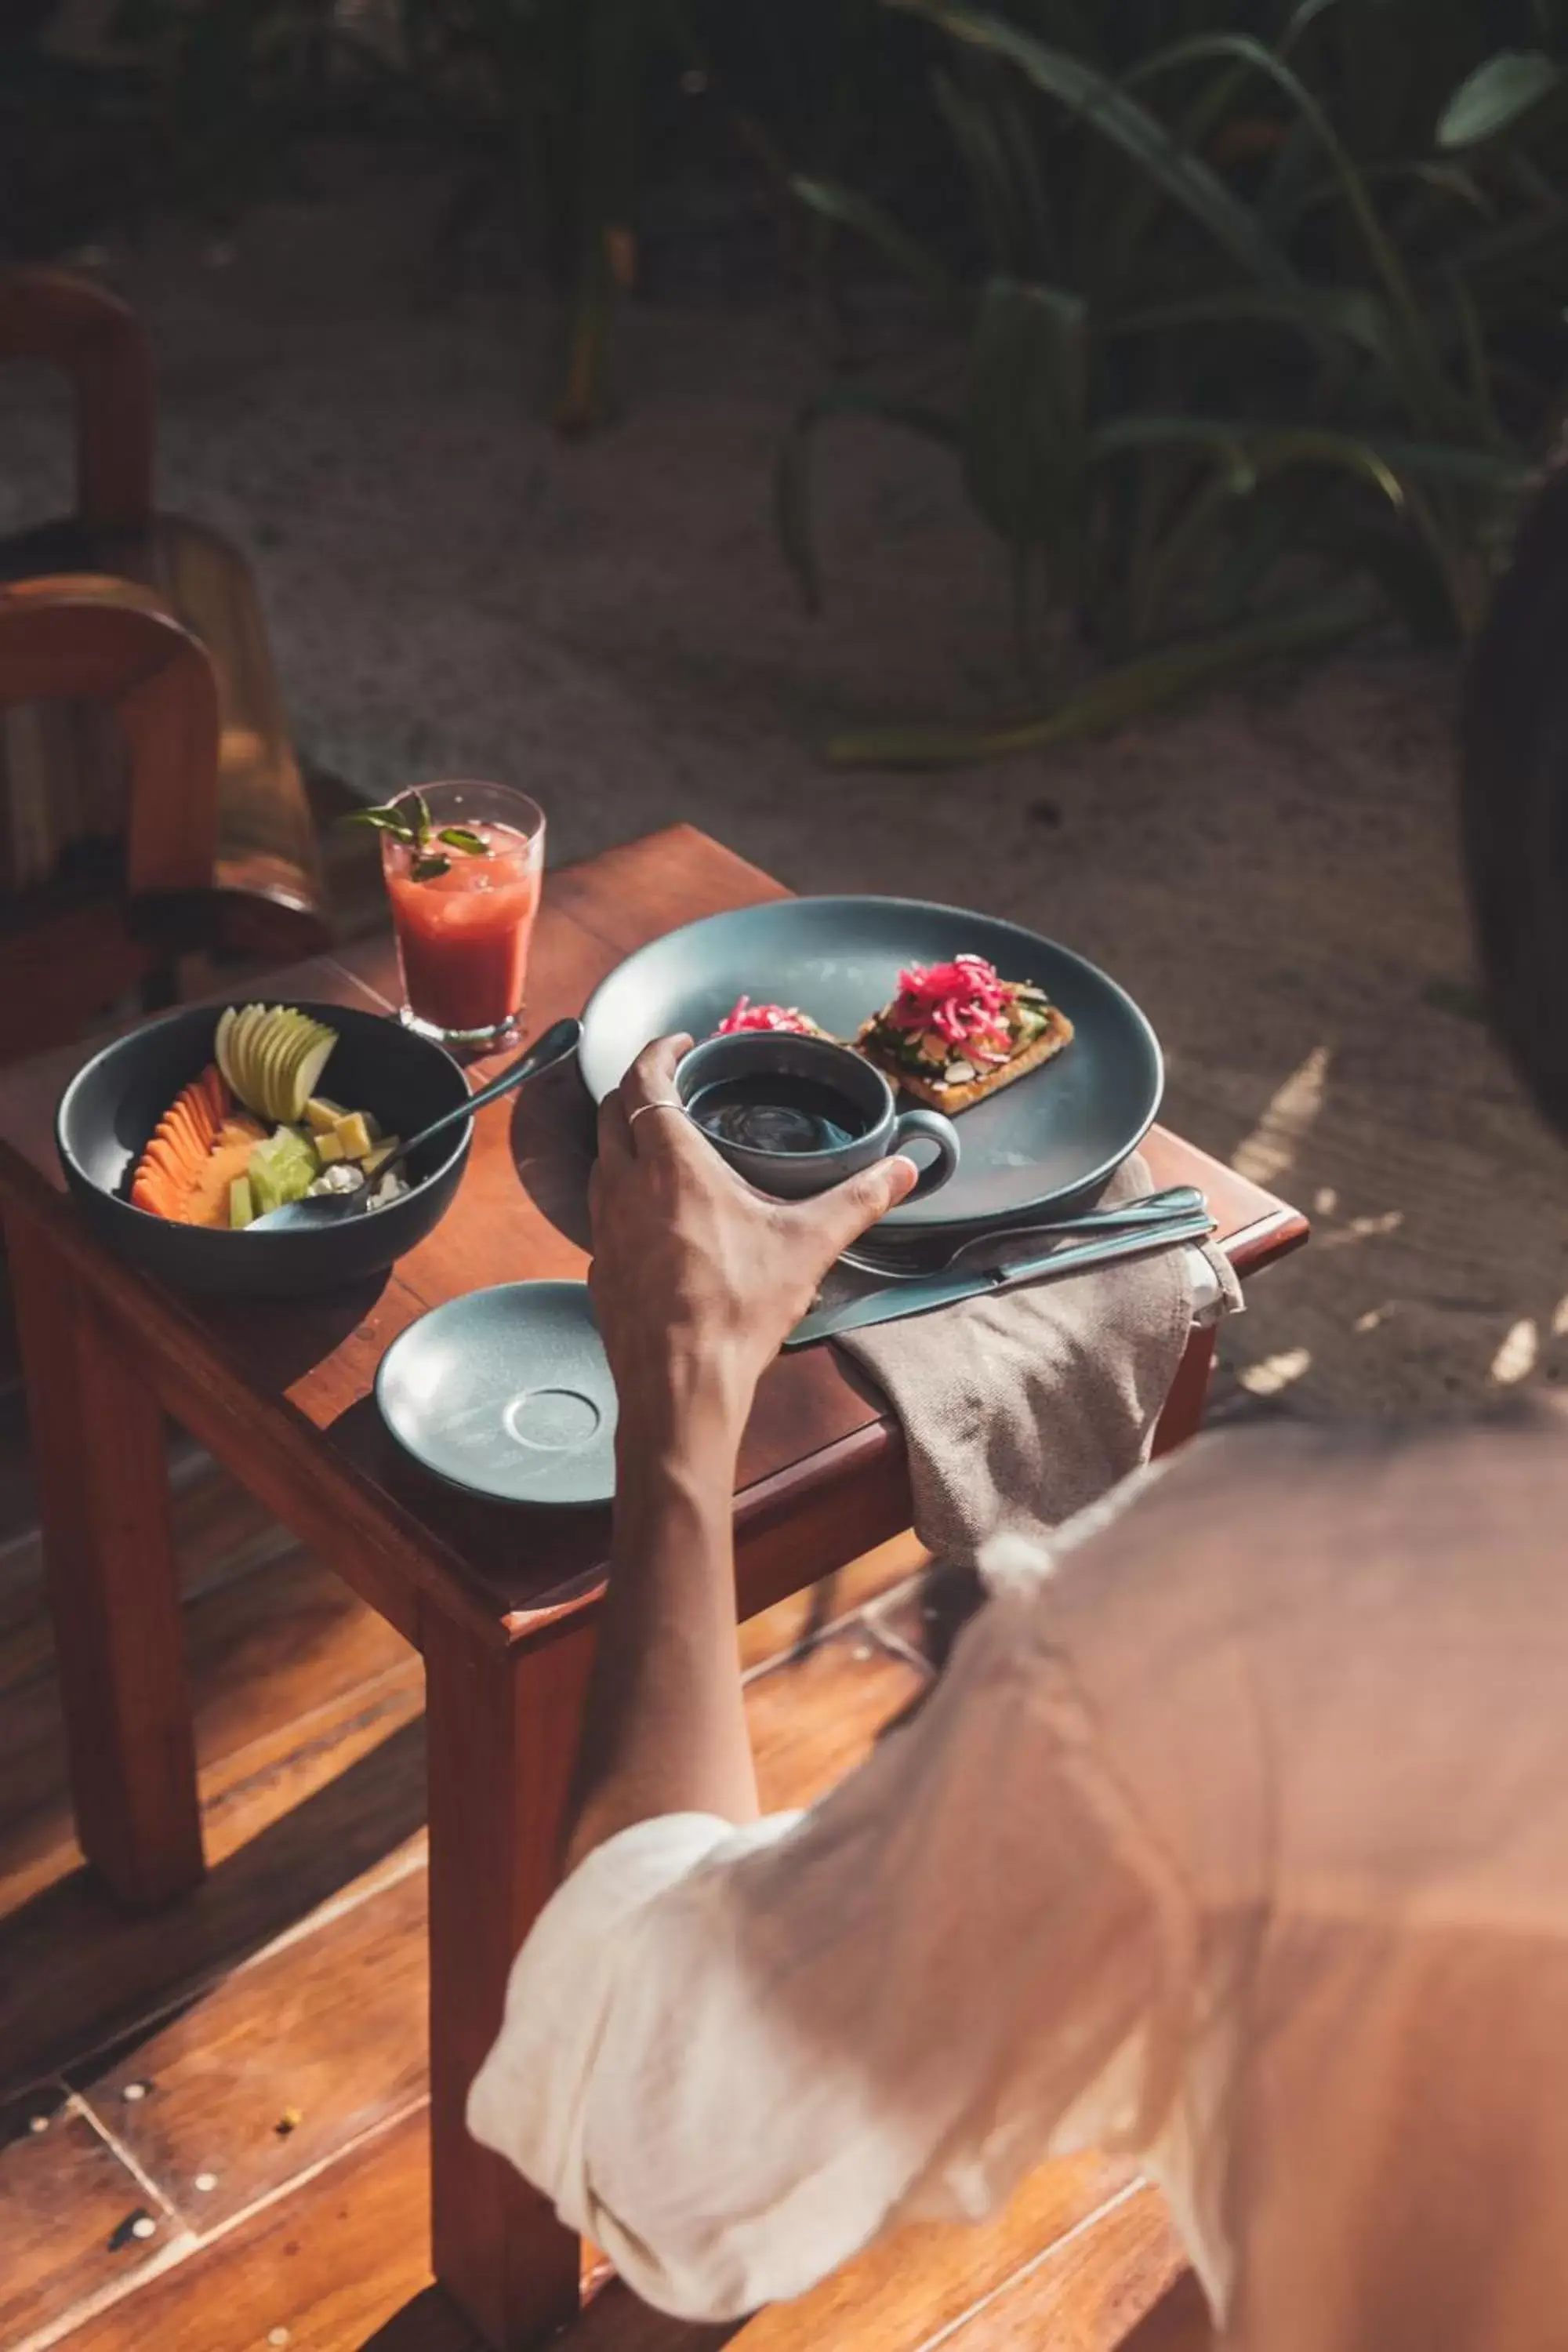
(507, 1393)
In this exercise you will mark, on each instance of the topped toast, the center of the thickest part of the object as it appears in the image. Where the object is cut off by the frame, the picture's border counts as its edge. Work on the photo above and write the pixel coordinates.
(780, 1020)
(957, 1032)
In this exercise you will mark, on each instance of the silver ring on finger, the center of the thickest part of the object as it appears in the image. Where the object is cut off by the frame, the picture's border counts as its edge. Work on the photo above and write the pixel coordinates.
(664, 1103)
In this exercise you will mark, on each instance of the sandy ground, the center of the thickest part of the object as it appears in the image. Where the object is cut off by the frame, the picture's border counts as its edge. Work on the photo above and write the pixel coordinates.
(452, 590)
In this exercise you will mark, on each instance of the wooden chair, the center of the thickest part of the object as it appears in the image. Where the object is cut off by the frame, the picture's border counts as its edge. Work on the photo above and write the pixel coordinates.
(150, 798)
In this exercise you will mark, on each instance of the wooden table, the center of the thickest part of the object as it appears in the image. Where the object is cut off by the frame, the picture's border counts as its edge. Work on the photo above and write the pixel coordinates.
(501, 1602)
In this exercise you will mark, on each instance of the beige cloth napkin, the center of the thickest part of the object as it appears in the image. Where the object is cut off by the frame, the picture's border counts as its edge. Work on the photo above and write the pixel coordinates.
(1025, 1406)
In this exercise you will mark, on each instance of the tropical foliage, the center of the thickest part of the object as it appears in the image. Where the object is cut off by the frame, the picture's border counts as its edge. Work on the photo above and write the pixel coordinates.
(1246, 317)
(1250, 337)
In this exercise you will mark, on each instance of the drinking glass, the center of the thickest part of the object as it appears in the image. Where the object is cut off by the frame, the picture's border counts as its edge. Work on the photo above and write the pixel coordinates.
(464, 920)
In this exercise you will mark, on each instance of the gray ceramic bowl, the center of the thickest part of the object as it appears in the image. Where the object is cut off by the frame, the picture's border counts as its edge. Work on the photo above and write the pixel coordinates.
(108, 1111)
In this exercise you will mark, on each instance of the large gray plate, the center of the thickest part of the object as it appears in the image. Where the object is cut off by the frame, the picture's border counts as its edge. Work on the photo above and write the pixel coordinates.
(1048, 1138)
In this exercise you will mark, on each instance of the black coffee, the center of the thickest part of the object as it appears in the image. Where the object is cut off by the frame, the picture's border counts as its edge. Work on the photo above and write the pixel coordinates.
(778, 1113)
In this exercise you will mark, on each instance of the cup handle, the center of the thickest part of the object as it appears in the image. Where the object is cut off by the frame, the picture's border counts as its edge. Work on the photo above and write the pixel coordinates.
(940, 1131)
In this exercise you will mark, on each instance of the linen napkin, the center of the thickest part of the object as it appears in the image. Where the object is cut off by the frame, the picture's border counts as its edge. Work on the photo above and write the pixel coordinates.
(1022, 1407)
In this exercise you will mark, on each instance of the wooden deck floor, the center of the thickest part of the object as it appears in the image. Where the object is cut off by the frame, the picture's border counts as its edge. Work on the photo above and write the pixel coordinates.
(212, 2124)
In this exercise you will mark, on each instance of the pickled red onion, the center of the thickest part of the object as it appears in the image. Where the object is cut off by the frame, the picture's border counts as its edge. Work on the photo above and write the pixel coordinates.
(963, 1002)
(783, 1019)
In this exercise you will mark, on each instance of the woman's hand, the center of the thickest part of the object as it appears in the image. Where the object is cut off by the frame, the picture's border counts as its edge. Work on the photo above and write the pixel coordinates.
(695, 1278)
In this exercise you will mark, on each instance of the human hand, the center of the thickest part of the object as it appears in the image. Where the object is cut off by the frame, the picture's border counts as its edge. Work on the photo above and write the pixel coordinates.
(695, 1278)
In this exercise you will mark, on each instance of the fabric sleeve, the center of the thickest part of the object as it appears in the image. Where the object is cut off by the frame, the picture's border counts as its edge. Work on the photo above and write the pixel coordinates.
(733, 2057)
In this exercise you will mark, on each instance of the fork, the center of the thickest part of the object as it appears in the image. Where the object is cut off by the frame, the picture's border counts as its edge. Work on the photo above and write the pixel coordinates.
(1148, 1209)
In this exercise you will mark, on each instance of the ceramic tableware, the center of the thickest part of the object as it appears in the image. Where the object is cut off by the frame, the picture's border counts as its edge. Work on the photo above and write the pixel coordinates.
(1048, 1142)
(795, 1116)
(507, 1393)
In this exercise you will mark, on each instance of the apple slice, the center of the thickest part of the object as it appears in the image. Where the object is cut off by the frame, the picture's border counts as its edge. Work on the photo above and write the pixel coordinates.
(296, 1040)
(275, 1046)
(243, 1078)
(307, 1073)
(274, 1033)
(273, 1055)
(226, 1022)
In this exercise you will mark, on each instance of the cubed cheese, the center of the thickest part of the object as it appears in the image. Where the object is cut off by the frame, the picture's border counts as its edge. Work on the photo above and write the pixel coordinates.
(354, 1135)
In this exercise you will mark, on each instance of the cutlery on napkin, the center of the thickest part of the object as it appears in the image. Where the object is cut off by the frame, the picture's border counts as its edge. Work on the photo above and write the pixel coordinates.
(1023, 1405)
(923, 1295)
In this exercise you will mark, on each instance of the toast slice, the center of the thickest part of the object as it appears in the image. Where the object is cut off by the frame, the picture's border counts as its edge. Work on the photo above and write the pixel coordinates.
(937, 1096)
(772, 1020)
(958, 1031)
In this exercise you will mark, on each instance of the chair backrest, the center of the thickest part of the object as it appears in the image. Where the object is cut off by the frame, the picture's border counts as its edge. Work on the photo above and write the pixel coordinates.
(96, 339)
(65, 800)
(110, 646)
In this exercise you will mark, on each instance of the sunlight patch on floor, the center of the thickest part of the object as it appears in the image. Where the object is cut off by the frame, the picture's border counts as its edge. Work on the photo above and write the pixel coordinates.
(1360, 1229)
(1272, 1373)
(1291, 1111)
(1516, 1358)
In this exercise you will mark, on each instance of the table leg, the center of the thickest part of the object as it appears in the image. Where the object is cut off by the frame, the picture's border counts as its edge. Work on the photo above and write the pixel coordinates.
(1182, 1413)
(101, 1464)
(502, 1737)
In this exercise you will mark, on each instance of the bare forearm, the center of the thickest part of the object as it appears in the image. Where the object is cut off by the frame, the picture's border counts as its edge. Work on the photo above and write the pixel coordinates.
(665, 1731)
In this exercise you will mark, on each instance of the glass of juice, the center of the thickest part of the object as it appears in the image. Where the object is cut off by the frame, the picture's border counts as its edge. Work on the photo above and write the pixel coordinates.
(463, 910)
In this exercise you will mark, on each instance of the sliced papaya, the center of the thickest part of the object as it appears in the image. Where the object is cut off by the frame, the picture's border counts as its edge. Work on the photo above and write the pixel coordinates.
(239, 1128)
(179, 1132)
(173, 1167)
(161, 1154)
(207, 1202)
(151, 1191)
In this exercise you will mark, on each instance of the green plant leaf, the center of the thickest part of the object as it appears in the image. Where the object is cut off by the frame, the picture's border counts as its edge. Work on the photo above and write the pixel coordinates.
(1352, 314)
(430, 869)
(382, 820)
(1427, 388)
(1024, 431)
(1495, 96)
(1398, 561)
(792, 520)
(1304, 15)
(1014, 242)
(1107, 109)
(1493, 257)
(1380, 458)
(847, 210)
(1119, 695)
(1476, 363)
(1449, 180)
(458, 836)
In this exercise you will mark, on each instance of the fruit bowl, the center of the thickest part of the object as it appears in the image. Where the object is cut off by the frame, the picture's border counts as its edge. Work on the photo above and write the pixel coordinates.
(114, 1104)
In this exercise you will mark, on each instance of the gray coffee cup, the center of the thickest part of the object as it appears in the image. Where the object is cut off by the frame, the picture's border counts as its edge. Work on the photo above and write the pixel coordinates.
(783, 1135)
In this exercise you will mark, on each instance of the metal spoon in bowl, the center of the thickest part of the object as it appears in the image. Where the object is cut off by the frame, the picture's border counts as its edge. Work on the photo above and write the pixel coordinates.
(318, 1209)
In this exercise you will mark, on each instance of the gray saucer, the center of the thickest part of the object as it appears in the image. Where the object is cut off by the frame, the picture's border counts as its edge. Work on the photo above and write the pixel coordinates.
(507, 1393)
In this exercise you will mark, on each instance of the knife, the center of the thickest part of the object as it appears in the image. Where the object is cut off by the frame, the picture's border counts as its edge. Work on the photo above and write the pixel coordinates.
(945, 1289)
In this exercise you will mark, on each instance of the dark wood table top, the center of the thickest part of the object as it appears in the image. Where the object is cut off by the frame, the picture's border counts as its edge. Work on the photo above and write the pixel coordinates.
(284, 1391)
